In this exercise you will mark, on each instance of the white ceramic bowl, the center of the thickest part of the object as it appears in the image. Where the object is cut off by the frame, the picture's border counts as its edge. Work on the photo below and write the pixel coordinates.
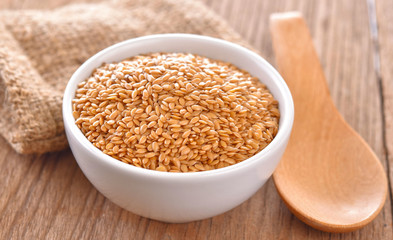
(179, 197)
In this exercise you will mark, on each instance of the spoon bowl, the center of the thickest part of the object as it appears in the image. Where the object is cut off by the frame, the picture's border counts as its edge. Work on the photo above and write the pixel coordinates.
(328, 177)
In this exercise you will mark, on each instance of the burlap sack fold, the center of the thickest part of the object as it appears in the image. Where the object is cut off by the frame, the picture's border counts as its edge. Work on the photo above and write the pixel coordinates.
(40, 49)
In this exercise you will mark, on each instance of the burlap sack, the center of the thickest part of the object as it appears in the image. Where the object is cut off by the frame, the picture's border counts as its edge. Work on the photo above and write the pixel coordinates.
(39, 51)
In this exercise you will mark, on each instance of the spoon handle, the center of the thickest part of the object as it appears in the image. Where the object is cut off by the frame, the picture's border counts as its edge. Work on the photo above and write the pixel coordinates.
(295, 53)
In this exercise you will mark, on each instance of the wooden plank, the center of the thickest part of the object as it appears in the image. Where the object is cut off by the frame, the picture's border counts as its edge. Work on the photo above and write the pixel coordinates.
(48, 197)
(384, 46)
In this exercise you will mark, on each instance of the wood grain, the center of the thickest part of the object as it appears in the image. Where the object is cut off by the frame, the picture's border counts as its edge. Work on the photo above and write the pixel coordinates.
(47, 197)
(384, 48)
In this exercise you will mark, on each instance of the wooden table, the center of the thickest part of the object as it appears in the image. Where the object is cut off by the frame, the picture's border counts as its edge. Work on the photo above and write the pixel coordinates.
(48, 197)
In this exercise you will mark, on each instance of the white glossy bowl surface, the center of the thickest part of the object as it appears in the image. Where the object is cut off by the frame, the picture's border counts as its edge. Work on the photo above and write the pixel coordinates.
(179, 197)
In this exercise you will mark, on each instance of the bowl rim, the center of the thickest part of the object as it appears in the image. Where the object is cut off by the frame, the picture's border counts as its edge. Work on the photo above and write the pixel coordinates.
(285, 125)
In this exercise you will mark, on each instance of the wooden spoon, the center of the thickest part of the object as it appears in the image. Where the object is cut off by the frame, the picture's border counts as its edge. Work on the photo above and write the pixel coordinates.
(328, 177)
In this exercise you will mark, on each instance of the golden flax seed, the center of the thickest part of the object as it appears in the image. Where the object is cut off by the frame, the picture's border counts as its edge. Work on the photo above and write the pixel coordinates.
(176, 112)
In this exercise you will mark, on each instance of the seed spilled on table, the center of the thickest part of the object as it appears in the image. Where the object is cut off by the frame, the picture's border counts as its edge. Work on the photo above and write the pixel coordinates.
(175, 112)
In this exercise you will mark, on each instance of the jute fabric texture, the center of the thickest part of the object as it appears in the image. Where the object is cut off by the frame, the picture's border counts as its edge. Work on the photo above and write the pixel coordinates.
(40, 49)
